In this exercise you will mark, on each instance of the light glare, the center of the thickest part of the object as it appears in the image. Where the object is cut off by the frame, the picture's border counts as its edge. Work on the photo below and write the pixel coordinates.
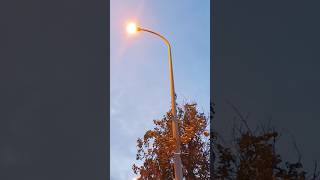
(132, 28)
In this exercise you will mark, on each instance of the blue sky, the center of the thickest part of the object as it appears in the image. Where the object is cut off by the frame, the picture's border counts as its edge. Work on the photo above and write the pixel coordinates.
(139, 70)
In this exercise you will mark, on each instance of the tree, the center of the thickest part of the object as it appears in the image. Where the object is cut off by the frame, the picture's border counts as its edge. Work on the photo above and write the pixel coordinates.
(156, 148)
(252, 156)
(249, 155)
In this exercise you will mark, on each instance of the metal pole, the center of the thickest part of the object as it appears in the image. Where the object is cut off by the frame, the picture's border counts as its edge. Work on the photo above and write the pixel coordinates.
(175, 127)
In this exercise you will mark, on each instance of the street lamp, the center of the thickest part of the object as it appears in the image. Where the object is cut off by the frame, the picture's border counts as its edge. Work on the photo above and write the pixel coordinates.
(132, 28)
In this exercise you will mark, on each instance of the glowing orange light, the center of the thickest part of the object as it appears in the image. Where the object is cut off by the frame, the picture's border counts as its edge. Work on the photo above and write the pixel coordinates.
(132, 28)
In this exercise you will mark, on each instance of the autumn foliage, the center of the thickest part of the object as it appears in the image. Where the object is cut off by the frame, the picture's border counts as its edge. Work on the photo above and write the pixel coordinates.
(249, 155)
(156, 148)
(253, 155)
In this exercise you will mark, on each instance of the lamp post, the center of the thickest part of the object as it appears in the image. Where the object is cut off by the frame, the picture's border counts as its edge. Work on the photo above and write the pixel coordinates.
(132, 28)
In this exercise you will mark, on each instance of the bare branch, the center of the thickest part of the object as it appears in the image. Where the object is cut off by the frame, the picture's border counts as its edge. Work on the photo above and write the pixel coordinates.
(296, 147)
(242, 118)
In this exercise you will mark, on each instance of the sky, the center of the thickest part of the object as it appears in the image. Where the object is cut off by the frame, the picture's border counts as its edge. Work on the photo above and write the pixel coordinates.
(139, 70)
(267, 63)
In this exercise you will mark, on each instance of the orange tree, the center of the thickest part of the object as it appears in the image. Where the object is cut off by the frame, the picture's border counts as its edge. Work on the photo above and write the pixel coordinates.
(156, 148)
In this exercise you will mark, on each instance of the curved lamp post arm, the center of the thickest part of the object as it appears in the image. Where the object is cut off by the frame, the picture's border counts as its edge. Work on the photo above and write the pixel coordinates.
(157, 34)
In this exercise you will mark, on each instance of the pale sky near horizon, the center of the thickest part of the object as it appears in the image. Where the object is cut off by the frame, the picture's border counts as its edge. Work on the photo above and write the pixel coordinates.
(139, 73)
